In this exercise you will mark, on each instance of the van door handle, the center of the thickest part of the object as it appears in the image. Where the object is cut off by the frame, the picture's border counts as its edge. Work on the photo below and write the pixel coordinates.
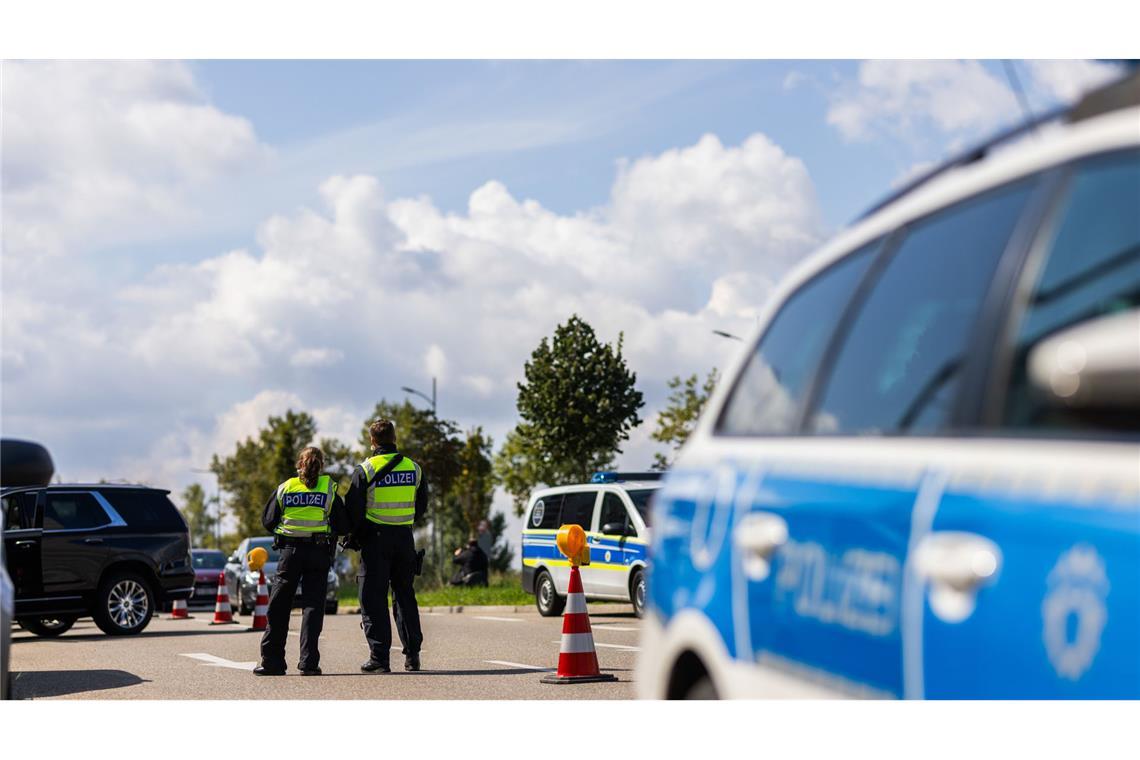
(757, 537)
(26, 542)
(956, 565)
(92, 540)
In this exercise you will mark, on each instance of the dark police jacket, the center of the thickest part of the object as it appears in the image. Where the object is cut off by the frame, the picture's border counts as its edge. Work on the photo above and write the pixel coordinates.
(355, 501)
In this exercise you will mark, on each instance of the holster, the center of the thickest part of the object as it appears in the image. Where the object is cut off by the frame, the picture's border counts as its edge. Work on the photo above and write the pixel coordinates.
(420, 561)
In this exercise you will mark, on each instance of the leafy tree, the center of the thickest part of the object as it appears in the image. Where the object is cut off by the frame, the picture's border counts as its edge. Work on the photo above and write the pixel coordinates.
(676, 421)
(202, 524)
(578, 403)
(474, 485)
(259, 464)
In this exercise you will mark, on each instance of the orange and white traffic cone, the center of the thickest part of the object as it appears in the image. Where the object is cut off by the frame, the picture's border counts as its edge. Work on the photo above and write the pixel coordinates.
(179, 611)
(222, 612)
(577, 657)
(261, 606)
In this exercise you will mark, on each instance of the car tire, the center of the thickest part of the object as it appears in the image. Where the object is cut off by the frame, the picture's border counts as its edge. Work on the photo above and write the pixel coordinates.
(47, 627)
(546, 597)
(330, 609)
(637, 592)
(243, 608)
(124, 604)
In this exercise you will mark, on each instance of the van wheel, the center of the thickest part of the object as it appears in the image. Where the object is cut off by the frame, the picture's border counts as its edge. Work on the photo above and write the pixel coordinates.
(47, 627)
(702, 689)
(637, 592)
(124, 604)
(546, 597)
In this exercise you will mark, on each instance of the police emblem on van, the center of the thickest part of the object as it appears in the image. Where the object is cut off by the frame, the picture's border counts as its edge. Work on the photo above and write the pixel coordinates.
(1074, 612)
(536, 515)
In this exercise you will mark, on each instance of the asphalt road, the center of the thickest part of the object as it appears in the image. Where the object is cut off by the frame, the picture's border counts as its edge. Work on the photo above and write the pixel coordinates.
(468, 655)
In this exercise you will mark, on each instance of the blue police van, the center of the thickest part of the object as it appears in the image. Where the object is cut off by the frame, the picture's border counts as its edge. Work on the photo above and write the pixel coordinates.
(921, 479)
(613, 509)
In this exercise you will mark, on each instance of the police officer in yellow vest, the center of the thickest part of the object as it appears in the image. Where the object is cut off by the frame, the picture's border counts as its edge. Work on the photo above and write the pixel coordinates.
(383, 502)
(305, 515)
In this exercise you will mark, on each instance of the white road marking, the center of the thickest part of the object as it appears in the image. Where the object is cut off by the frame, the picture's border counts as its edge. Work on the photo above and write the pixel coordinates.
(501, 619)
(220, 662)
(517, 665)
(608, 627)
(609, 646)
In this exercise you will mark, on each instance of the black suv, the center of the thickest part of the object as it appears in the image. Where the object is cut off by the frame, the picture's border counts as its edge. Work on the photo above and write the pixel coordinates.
(112, 552)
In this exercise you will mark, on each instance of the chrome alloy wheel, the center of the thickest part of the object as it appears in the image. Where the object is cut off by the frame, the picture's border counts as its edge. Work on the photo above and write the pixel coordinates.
(128, 603)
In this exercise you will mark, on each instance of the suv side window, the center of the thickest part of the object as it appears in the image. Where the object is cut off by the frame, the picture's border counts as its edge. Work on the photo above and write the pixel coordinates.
(546, 514)
(1091, 269)
(766, 397)
(898, 368)
(72, 511)
(614, 511)
(578, 509)
(149, 510)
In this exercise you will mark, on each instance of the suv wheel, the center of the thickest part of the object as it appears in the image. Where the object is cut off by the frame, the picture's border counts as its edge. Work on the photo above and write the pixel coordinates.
(123, 605)
(546, 597)
(47, 627)
(637, 592)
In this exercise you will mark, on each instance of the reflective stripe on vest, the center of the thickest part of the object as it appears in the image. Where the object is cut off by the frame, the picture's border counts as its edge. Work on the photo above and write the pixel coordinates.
(392, 501)
(304, 510)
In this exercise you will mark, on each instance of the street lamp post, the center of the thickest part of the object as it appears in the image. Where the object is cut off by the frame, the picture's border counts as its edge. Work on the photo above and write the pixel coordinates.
(424, 396)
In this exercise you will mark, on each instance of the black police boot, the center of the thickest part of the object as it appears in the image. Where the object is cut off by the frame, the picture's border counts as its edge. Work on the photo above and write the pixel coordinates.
(372, 666)
(412, 662)
(263, 670)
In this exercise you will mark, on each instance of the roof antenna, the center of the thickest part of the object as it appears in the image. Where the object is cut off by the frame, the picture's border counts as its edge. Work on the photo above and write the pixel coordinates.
(1015, 83)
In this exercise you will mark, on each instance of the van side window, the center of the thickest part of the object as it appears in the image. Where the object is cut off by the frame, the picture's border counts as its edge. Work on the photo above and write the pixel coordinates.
(1091, 269)
(578, 509)
(898, 368)
(765, 400)
(614, 511)
(19, 511)
(546, 514)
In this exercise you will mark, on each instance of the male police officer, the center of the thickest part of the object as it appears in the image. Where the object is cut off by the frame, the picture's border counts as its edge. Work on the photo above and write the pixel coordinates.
(304, 514)
(387, 495)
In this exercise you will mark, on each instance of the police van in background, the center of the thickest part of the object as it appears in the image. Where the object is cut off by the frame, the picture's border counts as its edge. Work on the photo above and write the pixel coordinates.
(613, 509)
(922, 480)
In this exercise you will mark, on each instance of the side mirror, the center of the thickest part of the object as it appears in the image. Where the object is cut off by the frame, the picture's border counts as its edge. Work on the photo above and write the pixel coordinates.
(1092, 365)
(234, 560)
(614, 529)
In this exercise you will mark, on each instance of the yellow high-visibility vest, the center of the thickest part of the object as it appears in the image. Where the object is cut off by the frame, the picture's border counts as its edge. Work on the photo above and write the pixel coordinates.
(305, 511)
(392, 499)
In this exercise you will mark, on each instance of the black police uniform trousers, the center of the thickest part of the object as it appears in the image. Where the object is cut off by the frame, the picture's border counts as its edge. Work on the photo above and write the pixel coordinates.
(307, 562)
(388, 557)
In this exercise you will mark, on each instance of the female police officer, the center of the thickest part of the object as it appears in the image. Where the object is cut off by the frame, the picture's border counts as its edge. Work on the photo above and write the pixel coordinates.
(305, 514)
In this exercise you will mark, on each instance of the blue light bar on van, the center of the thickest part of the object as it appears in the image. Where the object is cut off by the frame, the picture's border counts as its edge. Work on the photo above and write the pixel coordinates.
(621, 477)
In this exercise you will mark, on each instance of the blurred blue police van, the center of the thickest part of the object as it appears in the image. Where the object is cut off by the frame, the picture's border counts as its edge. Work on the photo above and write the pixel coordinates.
(613, 510)
(922, 478)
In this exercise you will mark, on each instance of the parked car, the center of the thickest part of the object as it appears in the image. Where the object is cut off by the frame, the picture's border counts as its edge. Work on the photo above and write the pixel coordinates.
(208, 565)
(613, 509)
(242, 582)
(113, 552)
(921, 479)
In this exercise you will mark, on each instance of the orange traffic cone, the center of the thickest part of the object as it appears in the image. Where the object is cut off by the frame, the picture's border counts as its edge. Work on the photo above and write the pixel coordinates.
(261, 606)
(179, 611)
(577, 658)
(222, 612)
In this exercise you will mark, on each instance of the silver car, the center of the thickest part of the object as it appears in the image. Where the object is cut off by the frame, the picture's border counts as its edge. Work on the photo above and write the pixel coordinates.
(241, 582)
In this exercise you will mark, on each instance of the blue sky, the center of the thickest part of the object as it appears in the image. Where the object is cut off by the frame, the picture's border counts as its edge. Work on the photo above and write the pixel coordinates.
(191, 246)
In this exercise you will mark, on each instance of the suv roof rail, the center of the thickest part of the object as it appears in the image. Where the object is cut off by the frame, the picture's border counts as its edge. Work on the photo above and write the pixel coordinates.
(1121, 93)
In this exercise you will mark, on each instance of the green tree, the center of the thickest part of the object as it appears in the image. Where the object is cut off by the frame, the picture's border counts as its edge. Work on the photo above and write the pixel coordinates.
(676, 421)
(259, 464)
(202, 524)
(578, 403)
(474, 484)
